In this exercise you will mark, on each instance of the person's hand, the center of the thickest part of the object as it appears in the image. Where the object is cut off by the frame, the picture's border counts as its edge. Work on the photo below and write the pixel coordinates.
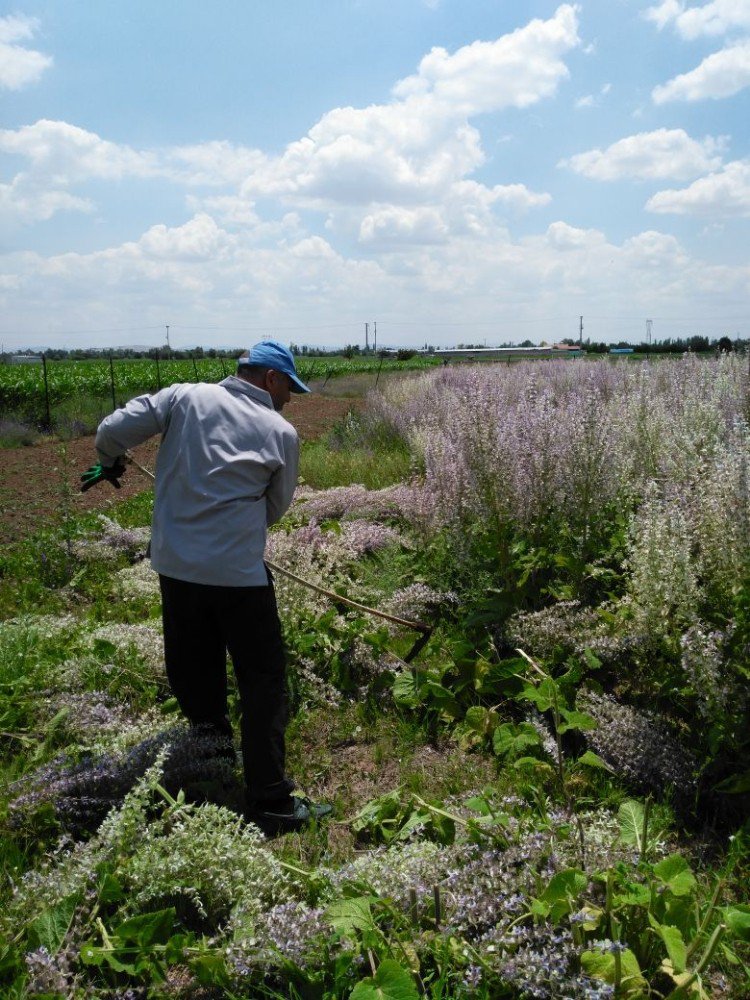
(97, 473)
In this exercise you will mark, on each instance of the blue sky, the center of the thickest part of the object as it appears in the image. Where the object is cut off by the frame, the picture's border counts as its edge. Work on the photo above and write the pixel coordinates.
(456, 170)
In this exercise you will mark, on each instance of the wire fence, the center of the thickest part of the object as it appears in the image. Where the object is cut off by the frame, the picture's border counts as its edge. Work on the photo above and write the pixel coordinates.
(73, 396)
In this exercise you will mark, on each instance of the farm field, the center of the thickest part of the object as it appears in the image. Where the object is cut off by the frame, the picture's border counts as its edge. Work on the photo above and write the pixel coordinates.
(39, 485)
(72, 395)
(550, 800)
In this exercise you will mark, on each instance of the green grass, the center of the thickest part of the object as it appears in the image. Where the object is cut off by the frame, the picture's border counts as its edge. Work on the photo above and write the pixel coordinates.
(357, 450)
(323, 467)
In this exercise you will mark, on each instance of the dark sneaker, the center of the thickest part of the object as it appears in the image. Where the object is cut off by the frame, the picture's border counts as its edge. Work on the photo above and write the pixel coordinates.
(286, 818)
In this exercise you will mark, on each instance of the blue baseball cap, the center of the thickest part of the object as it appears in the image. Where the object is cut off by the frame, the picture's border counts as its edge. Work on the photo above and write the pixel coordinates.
(272, 354)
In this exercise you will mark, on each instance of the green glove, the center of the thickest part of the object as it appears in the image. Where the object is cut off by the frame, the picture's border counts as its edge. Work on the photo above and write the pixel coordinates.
(97, 473)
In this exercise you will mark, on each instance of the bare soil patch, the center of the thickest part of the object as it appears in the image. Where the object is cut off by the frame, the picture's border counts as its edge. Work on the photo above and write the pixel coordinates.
(39, 484)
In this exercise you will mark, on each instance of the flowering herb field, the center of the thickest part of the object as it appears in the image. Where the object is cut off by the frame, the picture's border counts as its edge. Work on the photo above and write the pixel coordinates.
(550, 802)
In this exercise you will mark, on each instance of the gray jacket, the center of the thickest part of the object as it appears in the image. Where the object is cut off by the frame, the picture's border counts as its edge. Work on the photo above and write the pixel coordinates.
(227, 468)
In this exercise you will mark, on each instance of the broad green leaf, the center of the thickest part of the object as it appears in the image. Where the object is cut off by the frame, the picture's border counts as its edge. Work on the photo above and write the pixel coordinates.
(592, 662)
(97, 956)
(635, 895)
(602, 966)
(147, 928)
(598, 965)
(737, 919)
(114, 962)
(562, 894)
(386, 808)
(502, 678)
(543, 769)
(91, 954)
(347, 915)
(675, 873)
(481, 720)
(510, 740)
(674, 943)
(390, 982)
(479, 804)
(576, 721)
(592, 917)
(590, 759)
(543, 695)
(405, 691)
(631, 816)
(440, 697)
(49, 929)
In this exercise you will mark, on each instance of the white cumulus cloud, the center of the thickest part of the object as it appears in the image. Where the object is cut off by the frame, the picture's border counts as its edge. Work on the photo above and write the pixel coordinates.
(213, 164)
(663, 153)
(67, 154)
(384, 169)
(564, 237)
(22, 201)
(722, 74)
(19, 65)
(416, 147)
(723, 193)
(715, 18)
(515, 70)
(199, 239)
(398, 225)
(60, 155)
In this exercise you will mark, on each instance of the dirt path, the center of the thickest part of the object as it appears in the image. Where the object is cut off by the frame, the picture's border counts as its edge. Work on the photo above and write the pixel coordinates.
(38, 484)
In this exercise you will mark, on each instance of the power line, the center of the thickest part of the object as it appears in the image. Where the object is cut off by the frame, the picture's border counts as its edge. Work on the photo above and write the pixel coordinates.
(71, 333)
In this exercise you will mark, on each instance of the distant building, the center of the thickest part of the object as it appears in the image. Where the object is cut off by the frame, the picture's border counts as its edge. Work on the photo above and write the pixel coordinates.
(24, 359)
(505, 353)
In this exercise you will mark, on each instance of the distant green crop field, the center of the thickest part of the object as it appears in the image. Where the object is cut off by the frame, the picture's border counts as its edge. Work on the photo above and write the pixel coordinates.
(23, 385)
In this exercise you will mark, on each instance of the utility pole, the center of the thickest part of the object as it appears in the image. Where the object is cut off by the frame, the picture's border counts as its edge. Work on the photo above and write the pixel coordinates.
(367, 338)
(168, 347)
(375, 325)
(649, 324)
(580, 333)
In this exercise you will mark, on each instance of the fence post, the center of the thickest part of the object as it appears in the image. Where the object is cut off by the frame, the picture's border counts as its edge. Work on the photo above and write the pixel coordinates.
(223, 369)
(48, 424)
(328, 375)
(158, 373)
(377, 377)
(112, 380)
(195, 368)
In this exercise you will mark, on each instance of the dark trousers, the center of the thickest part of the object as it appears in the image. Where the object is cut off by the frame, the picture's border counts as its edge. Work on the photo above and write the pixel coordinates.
(202, 623)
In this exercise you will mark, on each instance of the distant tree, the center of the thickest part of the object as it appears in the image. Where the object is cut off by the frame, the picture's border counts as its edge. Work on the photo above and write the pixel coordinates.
(725, 345)
(698, 343)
